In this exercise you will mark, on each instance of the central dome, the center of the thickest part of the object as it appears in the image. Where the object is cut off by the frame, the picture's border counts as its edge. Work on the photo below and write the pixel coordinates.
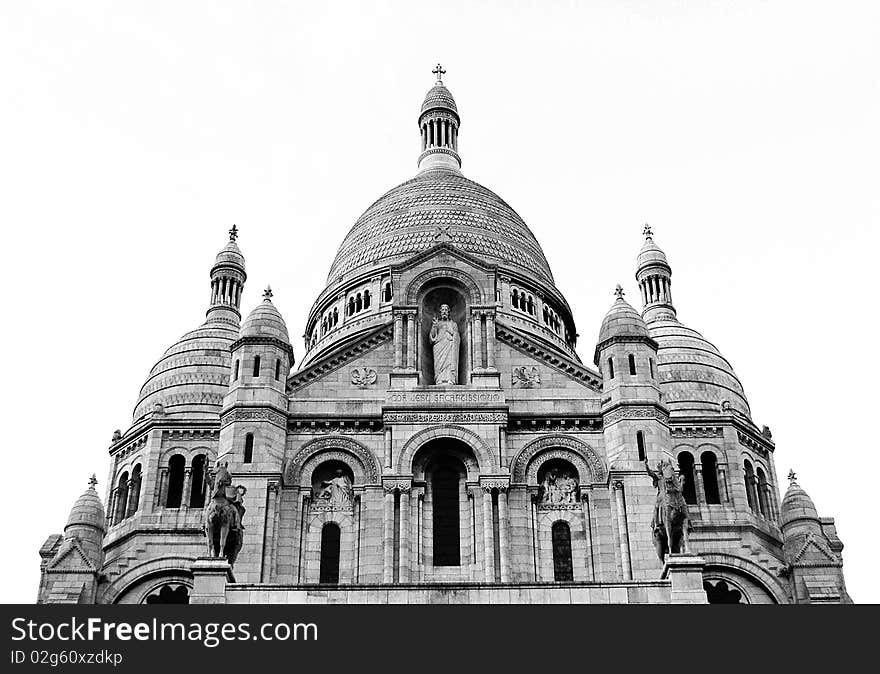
(440, 205)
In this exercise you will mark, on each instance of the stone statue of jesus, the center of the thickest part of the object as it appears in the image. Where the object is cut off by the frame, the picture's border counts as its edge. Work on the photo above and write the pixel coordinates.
(446, 342)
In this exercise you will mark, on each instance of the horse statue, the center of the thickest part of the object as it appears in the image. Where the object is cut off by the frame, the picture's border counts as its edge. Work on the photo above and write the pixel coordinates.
(670, 523)
(224, 531)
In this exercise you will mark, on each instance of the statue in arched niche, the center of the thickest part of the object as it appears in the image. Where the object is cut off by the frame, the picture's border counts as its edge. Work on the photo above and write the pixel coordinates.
(559, 487)
(446, 341)
(337, 490)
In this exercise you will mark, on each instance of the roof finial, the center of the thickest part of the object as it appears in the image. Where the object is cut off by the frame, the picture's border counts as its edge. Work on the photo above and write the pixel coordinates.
(791, 476)
(93, 481)
(647, 231)
(618, 292)
(233, 233)
(439, 72)
(267, 293)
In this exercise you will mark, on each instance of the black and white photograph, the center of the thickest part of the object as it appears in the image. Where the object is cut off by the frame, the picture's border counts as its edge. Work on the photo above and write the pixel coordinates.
(433, 303)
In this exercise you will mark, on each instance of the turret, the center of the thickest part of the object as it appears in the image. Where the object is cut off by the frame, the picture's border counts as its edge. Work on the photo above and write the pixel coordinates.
(812, 550)
(227, 282)
(438, 126)
(72, 562)
(654, 276)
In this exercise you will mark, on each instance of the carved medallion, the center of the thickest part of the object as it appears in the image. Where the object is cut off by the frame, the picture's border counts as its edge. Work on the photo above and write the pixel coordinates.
(363, 376)
(526, 377)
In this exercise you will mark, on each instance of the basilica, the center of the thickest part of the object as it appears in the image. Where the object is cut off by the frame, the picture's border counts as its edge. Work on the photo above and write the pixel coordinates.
(440, 439)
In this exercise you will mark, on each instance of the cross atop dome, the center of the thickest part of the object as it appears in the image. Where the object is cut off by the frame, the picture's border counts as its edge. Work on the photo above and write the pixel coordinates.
(93, 481)
(233, 233)
(439, 72)
(618, 292)
(647, 231)
(792, 476)
(267, 293)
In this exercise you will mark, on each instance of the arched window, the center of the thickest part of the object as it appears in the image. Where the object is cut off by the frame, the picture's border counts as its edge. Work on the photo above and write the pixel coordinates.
(134, 494)
(445, 497)
(718, 592)
(546, 317)
(335, 315)
(176, 466)
(530, 307)
(366, 299)
(750, 485)
(640, 444)
(651, 362)
(563, 569)
(763, 505)
(256, 366)
(686, 468)
(387, 295)
(351, 306)
(632, 363)
(358, 303)
(121, 498)
(330, 536)
(248, 448)
(277, 369)
(611, 368)
(710, 477)
(197, 478)
(235, 371)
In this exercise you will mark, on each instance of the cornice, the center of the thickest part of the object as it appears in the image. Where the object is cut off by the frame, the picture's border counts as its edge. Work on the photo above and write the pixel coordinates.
(263, 339)
(337, 359)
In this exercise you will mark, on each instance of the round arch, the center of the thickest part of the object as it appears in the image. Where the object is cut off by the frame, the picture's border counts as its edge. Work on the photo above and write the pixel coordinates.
(588, 463)
(170, 568)
(415, 287)
(485, 458)
(356, 456)
(718, 562)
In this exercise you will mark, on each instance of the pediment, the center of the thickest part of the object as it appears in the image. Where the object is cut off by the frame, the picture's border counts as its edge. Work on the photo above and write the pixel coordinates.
(447, 251)
(70, 557)
(814, 552)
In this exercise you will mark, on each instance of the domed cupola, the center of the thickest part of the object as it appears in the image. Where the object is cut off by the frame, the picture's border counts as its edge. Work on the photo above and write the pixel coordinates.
(695, 378)
(192, 376)
(265, 321)
(622, 320)
(438, 125)
(86, 522)
(797, 506)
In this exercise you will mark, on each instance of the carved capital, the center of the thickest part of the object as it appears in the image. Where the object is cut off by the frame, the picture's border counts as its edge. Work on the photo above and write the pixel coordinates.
(401, 484)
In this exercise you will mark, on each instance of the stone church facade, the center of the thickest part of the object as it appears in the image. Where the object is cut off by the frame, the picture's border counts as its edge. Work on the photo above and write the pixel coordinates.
(441, 440)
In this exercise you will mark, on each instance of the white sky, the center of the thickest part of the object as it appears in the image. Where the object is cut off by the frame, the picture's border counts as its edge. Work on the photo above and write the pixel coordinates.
(132, 135)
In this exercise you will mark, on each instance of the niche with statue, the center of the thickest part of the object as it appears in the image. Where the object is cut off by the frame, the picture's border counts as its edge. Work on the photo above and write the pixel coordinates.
(444, 348)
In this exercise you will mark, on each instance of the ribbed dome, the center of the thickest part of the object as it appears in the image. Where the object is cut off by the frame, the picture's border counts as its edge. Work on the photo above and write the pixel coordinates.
(796, 505)
(265, 321)
(230, 254)
(192, 376)
(650, 254)
(694, 376)
(622, 320)
(439, 97)
(440, 205)
(87, 511)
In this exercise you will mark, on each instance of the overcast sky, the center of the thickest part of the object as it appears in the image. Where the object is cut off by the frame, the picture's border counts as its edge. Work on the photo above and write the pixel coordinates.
(133, 134)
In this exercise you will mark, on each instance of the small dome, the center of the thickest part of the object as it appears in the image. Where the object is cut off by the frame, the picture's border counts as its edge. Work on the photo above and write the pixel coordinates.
(230, 255)
(265, 321)
(622, 321)
(439, 97)
(650, 254)
(694, 377)
(87, 510)
(796, 505)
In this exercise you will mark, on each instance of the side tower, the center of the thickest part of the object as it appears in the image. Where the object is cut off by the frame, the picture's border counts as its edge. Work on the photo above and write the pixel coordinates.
(71, 563)
(635, 429)
(254, 429)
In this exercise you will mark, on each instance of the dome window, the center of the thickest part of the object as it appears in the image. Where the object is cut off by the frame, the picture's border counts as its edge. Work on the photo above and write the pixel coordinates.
(686, 470)
(256, 372)
(176, 468)
(235, 370)
(640, 444)
(277, 369)
(197, 490)
(632, 364)
(710, 477)
(611, 368)
(387, 294)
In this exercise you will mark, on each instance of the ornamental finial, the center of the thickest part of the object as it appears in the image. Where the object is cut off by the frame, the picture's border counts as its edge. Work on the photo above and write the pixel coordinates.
(93, 481)
(233, 233)
(791, 476)
(267, 293)
(647, 231)
(618, 292)
(439, 72)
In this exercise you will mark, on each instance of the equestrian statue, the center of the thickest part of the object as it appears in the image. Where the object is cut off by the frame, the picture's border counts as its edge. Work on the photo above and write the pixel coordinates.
(670, 523)
(224, 531)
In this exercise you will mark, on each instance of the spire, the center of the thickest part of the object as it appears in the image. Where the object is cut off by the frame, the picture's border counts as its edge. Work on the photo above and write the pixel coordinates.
(438, 127)
(654, 276)
(227, 282)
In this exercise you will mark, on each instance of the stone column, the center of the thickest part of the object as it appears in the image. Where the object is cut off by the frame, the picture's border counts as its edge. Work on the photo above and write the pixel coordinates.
(405, 534)
(490, 340)
(722, 483)
(388, 572)
(187, 487)
(623, 533)
(488, 537)
(503, 534)
(410, 340)
(477, 339)
(398, 339)
(588, 537)
(699, 487)
(131, 506)
(388, 448)
(163, 488)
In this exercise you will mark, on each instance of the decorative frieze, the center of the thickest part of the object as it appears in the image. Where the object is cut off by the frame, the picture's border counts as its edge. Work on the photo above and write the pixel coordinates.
(554, 425)
(253, 414)
(635, 413)
(401, 484)
(445, 417)
(751, 443)
(697, 431)
(447, 397)
(330, 425)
